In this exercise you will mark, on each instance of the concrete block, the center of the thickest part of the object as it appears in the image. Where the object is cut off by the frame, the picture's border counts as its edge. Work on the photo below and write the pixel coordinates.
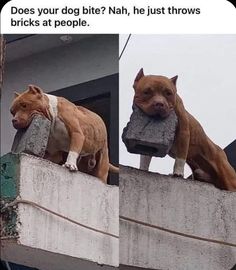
(183, 205)
(149, 136)
(34, 139)
(46, 241)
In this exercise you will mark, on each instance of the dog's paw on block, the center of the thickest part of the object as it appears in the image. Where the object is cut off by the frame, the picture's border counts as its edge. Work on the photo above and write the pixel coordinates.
(148, 135)
(33, 140)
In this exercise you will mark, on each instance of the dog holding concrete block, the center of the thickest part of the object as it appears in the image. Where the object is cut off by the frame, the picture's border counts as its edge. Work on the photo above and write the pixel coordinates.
(157, 96)
(75, 131)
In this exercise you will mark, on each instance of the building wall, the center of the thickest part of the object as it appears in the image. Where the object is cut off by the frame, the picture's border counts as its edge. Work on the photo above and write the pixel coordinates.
(85, 238)
(88, 59)
(181, 205)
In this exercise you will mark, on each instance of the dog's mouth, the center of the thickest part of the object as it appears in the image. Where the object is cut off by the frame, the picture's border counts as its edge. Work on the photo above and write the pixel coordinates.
(23, 124)
(160, 114)
(18, 125)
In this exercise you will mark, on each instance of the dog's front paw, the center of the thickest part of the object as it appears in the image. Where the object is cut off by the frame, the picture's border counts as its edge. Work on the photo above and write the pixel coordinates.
(179, 167)
(72, 167)
(71, 161)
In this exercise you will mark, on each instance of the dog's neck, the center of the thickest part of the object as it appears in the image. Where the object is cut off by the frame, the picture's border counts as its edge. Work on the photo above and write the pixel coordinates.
(52, 102)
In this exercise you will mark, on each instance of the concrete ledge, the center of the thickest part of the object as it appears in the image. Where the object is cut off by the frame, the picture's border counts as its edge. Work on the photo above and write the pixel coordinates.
(78, 196)
(183, 205)
(41, 259)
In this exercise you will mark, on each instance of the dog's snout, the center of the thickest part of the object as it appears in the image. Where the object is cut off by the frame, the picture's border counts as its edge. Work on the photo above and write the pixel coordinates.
(159, 105)
(14, 121)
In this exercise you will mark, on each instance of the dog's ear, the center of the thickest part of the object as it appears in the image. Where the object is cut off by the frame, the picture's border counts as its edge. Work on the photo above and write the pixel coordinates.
(138, 76)
(35, 90)
(174, 79)
(16, 94)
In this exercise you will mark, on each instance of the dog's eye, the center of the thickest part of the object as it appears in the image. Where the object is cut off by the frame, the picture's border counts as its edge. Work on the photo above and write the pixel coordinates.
(147, 92)
(23, 105)
(168, 93)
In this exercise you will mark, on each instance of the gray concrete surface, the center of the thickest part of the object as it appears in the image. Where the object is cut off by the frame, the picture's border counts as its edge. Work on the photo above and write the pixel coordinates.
(183, 205)
(43, 260)
(34, 139)
(149, 136)
(77, 196)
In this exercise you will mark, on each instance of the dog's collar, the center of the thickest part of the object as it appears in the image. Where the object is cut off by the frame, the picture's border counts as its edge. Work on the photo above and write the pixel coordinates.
(52, 105)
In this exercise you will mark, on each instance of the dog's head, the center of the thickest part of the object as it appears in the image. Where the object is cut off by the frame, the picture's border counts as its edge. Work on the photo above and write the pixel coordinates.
(26, 105)
(155, 95)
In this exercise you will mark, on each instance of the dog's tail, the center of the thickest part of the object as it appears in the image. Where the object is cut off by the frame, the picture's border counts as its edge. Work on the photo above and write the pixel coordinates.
(113, 168)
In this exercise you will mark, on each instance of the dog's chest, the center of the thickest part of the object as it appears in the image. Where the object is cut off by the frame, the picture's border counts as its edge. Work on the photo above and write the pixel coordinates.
(59, 138)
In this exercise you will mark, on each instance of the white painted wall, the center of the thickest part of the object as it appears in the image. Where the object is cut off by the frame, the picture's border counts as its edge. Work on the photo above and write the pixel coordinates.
(185, 206)
(78, 196)
(59, 67)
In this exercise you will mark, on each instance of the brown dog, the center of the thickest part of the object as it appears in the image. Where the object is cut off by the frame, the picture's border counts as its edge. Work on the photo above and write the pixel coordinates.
(157, 95)
(75, 130)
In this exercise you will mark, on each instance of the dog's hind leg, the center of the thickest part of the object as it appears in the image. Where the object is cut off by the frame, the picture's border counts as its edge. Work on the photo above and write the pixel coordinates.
(202, 176)
(198, 173)
(226, 175)
(102, 165)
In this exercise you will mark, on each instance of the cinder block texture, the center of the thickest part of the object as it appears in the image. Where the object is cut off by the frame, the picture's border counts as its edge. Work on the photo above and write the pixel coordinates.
(34, 139)
(148, 135)
(182, 205)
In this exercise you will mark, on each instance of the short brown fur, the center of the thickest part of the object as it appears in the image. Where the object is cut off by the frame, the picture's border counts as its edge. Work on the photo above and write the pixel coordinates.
(86, 130)
(157, 95)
